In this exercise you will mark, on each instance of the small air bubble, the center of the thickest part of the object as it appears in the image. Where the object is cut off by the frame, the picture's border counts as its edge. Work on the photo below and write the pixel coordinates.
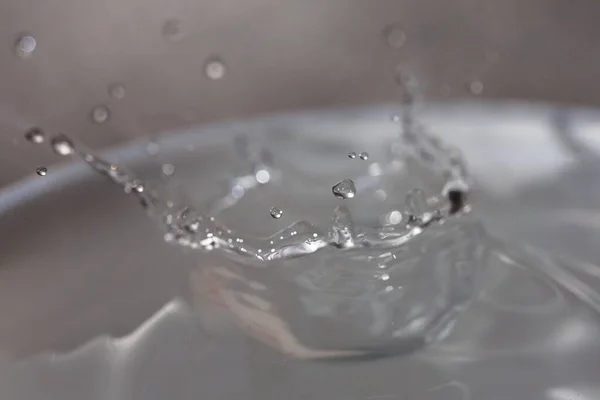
(276, 212)
(35, 135)
(62, 145)
(25, 46)
(352, 155)
(100, 114)
(394, 36)
(116, 91)
(168, 169)
(41, 171)
(214, 69)
(344, 189)
(475, 87)
(364, 156)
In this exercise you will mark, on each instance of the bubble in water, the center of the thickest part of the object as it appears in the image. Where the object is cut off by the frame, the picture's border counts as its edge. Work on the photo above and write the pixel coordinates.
(168, 169)
(394, 36)
(364, 155)
(352, 155)
(116, 91)
(41, 171)
(276, 212)
(35, 135)
(475, 87)
(214, 69)
(62, 145)
(416, 202)
(25, 46)
(172, 30)
(344, 189)
(100, 114)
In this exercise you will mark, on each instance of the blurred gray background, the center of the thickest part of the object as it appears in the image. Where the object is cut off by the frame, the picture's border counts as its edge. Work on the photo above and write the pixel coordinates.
(278, 54)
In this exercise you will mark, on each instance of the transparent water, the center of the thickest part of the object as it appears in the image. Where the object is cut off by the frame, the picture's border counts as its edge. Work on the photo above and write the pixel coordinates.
(403, 293)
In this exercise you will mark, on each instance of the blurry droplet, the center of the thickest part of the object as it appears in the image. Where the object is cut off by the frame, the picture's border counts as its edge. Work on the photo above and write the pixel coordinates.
(25, 46)
(214, 69)
(385, 277)
(35, 135)
(394, 36)
(395, 118)
(168, 169)
(381, 194)
(375, 169)
(41, 171)
(276, 212)
(445, 90)
(62, 145)
(344, 189)
(100, 114)
(262, 176)
(352, 155)
(394, 217)
(364, 155)
(172, 30)
(416, 202)
(152, 148)
(475, 87)
(116, 91)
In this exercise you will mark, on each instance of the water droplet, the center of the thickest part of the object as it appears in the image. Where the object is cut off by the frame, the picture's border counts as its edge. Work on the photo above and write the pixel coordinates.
(116, 91)
(41, 171)
(352, 155)
(172, 30)
(168, 169)
(375, 169)
(344, 189)
(262, 176)
(394, 217)
(62, 145)
(475, 87)
(385, 277)
(342, 233)
(100, 114)
(152, 148)
(25, 46)
(276, 212)
(394, 36)
(416, 202)
(395, 118)
(364, 155)
(35, 135)
(214, 69)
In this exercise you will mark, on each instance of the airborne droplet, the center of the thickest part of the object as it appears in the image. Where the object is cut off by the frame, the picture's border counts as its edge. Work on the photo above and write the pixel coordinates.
(41, 171)
(352, 155)
(100, 114)
(25, 46)
(344, 189)
(35, 135)
(62, 145)
(214, 69)
(364, 155)
(276, 212)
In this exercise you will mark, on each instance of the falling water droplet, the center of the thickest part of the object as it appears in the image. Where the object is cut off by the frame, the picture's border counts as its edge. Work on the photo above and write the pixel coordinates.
(35, 135)
(172, 30)
(41, 171)
(416, 202)
(214, 69)
(100, 114)
(475, 87)
(364, 155)
(276, 212)
(168, 169)
(394, 36)
(152, 148)
(344, 189)
(25, 46)
(62, 145)
(116, 91)
(352, 155)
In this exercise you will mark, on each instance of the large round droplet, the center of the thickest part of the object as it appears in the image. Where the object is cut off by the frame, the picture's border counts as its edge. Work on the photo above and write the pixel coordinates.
(25, 46)
(276, 212)
(364, 155)
(41, 171)
(352, 155)
(344, 189)
(475, 87)
(35, 135)
(100, 114)
(168, 169)
(62, 145)
(214, 69)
